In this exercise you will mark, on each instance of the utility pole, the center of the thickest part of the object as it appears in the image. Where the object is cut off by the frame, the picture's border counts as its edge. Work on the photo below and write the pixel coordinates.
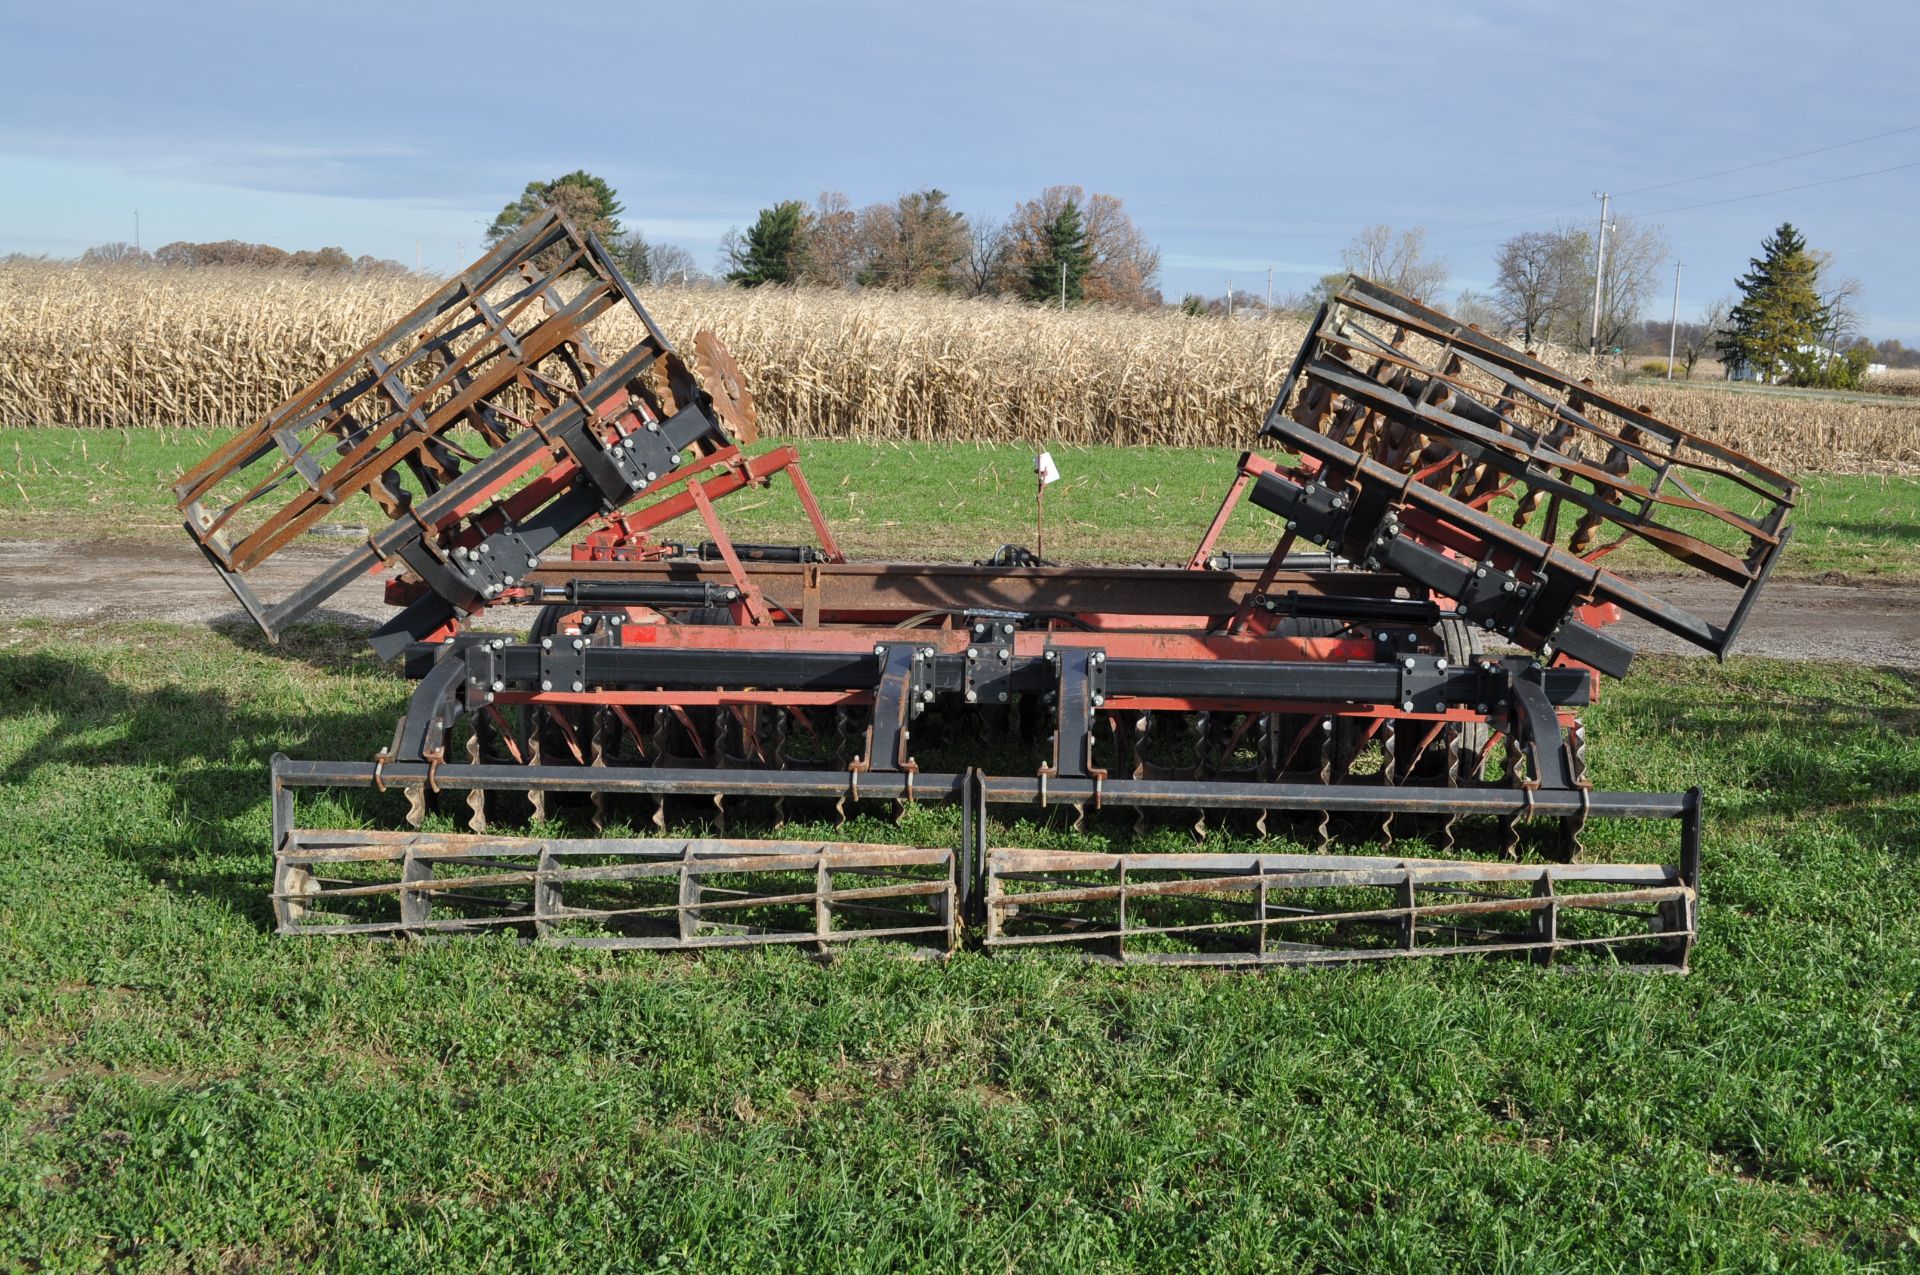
(136, 230)
(1599, 273)
(1229, 298)
(1269, 289)
(1063, 286)
(1673, 324)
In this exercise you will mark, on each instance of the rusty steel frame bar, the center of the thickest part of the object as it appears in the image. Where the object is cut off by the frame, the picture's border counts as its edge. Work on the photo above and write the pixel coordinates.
(979, 874)
(873, 592)
(711, 892)
(1242, 908)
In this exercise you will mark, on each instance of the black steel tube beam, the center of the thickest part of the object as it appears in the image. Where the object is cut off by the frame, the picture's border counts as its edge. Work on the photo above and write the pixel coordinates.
(668, 668)
(996, 790)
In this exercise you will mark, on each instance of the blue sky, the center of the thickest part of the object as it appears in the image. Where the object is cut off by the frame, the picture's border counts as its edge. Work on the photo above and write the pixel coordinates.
(1240, 136)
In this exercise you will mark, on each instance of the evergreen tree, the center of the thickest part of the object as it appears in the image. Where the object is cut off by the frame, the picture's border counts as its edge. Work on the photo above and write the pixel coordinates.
(1775, 329)
(775, 249)
(1062, 250)
(584, 199)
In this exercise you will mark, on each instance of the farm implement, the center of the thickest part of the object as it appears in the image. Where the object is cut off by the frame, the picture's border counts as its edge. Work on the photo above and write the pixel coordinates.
(1407, 666)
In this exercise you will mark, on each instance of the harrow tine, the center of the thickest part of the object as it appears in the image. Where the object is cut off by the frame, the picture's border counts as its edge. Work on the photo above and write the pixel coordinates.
(477, 797)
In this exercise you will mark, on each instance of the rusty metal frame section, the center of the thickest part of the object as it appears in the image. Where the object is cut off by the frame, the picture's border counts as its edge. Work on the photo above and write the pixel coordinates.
(1237, 909)
(671, 894)
(1180, 909)
(1411, 425)
(484, 425)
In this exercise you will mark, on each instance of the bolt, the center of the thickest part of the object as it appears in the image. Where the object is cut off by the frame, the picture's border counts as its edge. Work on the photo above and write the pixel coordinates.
(1098, 700)
(1380, 637)
(1507, 587)
(879, 650)
(676, 458)
(1053, 657)
(546, 644)
(653, 427)
(1006, 628)
(973, 653)
(488, 697)
(545, 685)
(507, 579)
(578, 687)
(651, 475)
(1480, 573)
(972, 695)
(927, 696)
(1003, 697)
(1440, 666)
(919, 657)
(1406, 705)
(533, 564)
(1005, 653)
(1479, 708)
(1099, 657)
(499, 685)
(1408, 664)
(927, 651)
(486, 548)
(579, 643)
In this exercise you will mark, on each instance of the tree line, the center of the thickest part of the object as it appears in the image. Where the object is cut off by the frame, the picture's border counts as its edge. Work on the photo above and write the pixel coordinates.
(235, 252)
(1061, 244)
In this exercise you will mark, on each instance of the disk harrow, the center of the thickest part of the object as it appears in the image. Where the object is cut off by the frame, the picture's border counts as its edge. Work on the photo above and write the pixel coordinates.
(1456, 492)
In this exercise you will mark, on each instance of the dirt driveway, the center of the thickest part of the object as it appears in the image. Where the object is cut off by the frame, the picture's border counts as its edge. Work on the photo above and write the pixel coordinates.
(1800, 620)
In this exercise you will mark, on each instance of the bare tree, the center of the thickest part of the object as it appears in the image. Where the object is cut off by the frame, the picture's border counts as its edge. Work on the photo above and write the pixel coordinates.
(1397, 260)
(669, 263)
(1477, 309)
(1535, 274)
(1637, 255)
(115, 254)
(984, 269)
(1840, 305)
(1697, 338)
(731, 245)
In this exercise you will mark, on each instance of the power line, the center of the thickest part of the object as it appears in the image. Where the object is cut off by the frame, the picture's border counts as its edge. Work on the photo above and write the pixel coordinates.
(1762, 163)
(1683, 181)
(1762, 194)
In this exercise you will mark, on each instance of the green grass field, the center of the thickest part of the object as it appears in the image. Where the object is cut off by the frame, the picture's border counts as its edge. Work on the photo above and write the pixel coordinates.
(1115, 504)
(185, 1091)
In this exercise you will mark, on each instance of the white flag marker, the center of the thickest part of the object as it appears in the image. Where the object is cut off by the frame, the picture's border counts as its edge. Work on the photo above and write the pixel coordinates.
(1043, 465)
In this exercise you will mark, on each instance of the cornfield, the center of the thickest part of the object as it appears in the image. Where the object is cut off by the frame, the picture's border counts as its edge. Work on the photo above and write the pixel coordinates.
(110, 347)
